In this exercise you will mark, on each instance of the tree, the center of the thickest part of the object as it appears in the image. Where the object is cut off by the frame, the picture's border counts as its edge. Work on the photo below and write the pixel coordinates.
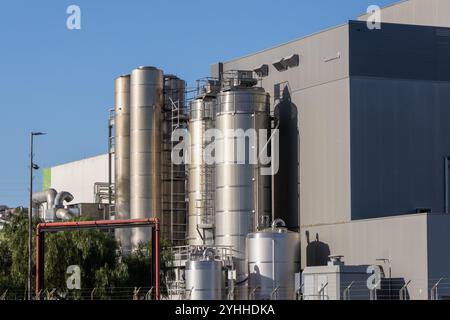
(94, 251)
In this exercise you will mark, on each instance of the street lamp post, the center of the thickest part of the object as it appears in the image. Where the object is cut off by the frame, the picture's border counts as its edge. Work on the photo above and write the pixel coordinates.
(33, 166)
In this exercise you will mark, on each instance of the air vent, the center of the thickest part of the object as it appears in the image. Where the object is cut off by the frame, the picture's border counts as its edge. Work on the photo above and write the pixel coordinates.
(287, 62)
(262, 71)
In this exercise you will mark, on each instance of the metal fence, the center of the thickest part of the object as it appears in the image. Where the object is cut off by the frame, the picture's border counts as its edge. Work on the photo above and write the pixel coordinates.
(389, 289)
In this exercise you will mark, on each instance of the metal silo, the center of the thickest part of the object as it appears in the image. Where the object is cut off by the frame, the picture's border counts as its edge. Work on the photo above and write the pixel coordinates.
(201, 175)
(273, 259)
(204, 276)
(122, 157)
(174, 211)
(146, 100)
(242, 194)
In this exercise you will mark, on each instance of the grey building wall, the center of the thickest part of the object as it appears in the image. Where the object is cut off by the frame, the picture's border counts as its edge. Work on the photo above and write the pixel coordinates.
(402, 239)
(416, 244)
(400, 133)
(419, 12)
(318, 93)
(439, 252)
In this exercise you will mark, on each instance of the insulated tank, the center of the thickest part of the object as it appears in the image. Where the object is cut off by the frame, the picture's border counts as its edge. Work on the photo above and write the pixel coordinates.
(273, 258)
(122, 158)
(204, 277)
(201, 175)
(146, 100)
(242, 194)
(174, 211)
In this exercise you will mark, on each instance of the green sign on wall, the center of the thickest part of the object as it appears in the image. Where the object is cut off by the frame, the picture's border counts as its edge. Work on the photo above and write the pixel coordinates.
(46, 178)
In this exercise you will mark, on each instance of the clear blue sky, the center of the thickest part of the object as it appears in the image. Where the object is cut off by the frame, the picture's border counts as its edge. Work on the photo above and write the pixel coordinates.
(61, 81)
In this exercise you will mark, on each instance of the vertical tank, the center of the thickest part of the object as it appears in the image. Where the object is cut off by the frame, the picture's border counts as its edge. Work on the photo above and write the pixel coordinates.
(122, 157)
(173, 220)
(204, 277)
(273, 259)
(146, 100)
(201, 175)
(242, 193)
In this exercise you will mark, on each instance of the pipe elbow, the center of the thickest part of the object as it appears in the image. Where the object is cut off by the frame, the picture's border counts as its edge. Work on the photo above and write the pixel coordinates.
(61, 197)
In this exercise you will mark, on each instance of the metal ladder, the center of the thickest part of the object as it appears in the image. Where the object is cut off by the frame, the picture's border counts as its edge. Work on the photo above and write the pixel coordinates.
(173, 204)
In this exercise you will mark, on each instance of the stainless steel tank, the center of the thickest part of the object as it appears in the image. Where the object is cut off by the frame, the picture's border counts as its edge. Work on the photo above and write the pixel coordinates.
(122, 158)
(273, 258)
(146, 100)
(174, 211)
(201, 175)
(204, 277)
(242, 193)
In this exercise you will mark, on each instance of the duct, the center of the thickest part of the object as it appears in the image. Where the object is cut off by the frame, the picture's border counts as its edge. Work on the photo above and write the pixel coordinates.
(46, 196)
(63, 214)
(61, 197)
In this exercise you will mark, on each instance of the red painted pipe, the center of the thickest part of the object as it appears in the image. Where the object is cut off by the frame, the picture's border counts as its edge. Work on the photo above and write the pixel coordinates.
(38, 255)
(157, 260)
(42, 227)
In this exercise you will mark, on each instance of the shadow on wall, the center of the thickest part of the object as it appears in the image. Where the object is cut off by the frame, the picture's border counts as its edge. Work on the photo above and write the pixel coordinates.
(286, 190)
(317, 252)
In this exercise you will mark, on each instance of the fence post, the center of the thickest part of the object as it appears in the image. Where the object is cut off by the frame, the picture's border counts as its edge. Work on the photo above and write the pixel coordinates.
(92, 293)
(346, 293)
(434, 290)
(274, 293)
(136, 293)
(402, 292)
(373, 294)
(148, 295)
(321, 292)
(3, 296)
(252, 293)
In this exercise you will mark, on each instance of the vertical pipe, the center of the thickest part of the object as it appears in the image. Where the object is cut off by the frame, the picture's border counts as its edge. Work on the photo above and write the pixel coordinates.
(40, 242)
(109, 162)
(156, 245)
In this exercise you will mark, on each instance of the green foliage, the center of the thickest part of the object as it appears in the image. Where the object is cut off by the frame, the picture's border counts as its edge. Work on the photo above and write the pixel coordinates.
(94, 251)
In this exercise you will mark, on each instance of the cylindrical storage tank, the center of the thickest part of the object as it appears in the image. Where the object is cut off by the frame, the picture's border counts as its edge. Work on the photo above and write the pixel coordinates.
(201, 175)
(174, 211)
(242, 193)
(122, 158)
(204, 279)
(273, 259)
(146, 100)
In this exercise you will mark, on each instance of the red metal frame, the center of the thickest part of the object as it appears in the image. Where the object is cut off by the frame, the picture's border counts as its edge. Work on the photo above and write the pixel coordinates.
(76, 225)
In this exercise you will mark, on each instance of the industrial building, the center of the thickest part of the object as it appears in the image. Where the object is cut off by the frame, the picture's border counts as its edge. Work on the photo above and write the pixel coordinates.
(364, 148)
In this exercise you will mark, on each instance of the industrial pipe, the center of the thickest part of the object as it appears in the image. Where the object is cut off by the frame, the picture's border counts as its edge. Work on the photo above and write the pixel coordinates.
(106, 224)
(64, 214)
(46, 196)
(61, 197)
